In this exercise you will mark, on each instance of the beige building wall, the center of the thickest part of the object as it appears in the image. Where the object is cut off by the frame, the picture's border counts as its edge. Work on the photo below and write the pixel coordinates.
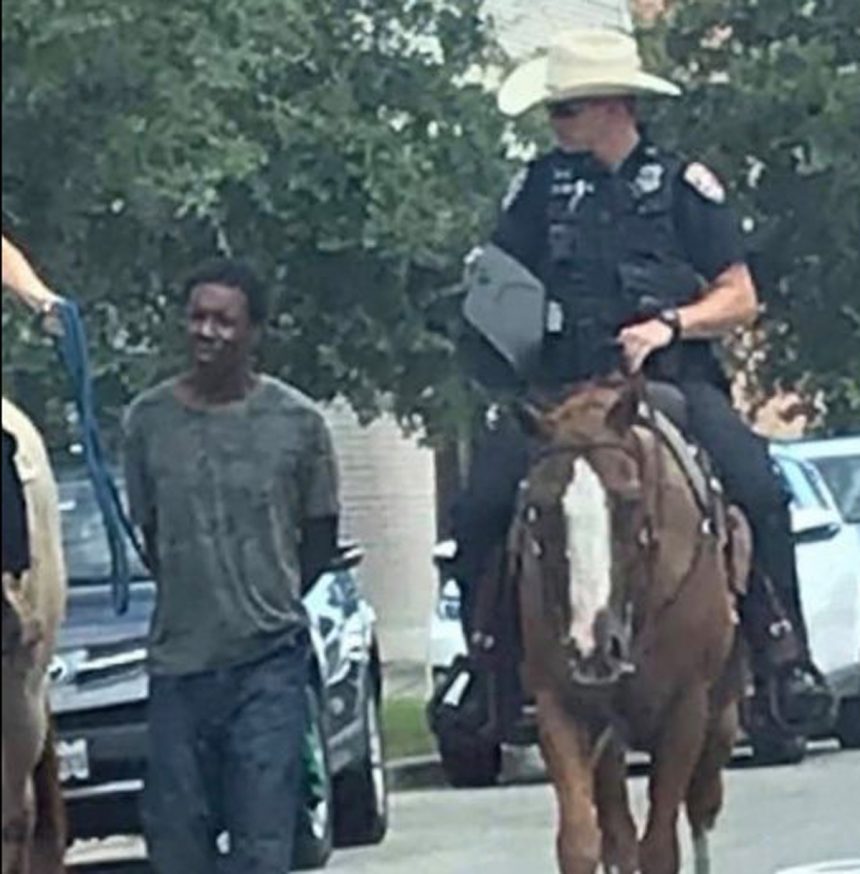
(388, 499)
(526, 25)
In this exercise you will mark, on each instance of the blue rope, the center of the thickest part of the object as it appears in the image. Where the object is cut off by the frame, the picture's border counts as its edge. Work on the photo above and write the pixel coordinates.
(72, 347)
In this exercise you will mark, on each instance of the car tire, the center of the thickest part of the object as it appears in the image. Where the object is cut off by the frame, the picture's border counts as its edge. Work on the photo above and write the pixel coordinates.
(470, 762)
(848, 723)
(361, 792)
(773, 749)
(315, 822)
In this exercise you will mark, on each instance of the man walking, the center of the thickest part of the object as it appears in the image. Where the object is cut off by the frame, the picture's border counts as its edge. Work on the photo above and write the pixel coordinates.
(232, 478)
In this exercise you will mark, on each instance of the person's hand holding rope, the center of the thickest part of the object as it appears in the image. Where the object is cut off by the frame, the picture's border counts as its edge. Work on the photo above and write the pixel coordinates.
(23, 281)
(61, 318)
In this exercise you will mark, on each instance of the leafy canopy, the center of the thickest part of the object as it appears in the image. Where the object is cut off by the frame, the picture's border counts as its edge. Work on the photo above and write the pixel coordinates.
(773, 101)
(345, 147)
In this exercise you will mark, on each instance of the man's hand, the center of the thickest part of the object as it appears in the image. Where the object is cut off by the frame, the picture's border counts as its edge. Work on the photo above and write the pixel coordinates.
(639, 341)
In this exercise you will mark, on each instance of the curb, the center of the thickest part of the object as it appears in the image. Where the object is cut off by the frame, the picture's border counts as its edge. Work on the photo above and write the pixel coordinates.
(520, 765)
(416, 772)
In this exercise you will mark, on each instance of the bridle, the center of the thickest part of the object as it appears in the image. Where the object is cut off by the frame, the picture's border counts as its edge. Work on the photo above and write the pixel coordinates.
(646, 540)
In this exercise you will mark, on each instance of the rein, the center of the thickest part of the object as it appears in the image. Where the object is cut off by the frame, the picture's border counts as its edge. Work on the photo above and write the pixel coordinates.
(72, 348)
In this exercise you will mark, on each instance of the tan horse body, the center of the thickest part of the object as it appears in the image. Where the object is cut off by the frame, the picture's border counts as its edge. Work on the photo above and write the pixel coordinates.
(651, 660)
(33, 605)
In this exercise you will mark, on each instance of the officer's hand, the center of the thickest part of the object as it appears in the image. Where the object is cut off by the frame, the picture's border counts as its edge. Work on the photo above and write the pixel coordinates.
(639, 341)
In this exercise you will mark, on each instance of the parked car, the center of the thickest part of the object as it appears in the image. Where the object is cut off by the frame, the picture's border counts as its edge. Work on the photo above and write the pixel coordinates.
(824, 479)
(99, 690)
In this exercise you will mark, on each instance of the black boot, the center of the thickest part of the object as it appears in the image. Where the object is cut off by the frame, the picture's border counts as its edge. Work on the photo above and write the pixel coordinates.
(804, 699)
(792, 695)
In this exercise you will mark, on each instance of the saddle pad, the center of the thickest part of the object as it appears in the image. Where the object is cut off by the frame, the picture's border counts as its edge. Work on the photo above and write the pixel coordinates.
(684, 454)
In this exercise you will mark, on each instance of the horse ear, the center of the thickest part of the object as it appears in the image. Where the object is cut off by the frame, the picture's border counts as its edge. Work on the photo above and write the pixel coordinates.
(623, 413)
(533, 422)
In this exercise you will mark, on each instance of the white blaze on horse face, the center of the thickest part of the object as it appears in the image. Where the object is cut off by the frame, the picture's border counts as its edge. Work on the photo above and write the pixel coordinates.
(589, 552)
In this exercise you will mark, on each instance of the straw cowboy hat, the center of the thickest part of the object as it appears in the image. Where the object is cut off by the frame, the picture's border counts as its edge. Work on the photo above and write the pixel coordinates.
(582, 62)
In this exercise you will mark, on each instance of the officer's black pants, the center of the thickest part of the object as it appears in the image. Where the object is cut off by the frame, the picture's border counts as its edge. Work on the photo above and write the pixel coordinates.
(749, 477)
(484, 511)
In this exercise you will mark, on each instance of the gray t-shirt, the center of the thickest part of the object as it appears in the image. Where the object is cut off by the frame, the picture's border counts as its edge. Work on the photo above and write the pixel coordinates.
(228, 490)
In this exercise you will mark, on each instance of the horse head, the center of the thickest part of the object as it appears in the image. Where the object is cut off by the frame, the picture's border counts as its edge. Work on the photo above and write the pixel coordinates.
(583, 516)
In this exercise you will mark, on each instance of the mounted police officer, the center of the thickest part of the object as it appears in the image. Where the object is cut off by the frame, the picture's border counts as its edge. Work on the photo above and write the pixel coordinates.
(630, 256)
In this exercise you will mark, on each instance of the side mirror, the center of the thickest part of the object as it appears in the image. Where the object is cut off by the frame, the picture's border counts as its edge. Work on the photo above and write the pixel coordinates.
(814, 524)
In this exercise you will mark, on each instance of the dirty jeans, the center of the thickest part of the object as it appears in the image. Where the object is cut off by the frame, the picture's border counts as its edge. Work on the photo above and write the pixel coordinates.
(225, 754)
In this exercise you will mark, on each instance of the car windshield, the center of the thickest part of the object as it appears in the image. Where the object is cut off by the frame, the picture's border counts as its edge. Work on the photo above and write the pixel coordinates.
(800, 478)
(842, 475)
(84, 540)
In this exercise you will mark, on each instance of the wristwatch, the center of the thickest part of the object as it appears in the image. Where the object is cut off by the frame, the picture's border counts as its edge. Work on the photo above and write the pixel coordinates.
(672, 319)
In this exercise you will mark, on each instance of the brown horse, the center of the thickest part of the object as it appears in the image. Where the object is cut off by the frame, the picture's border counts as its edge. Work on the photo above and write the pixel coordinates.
(33, 823)
(628, 629)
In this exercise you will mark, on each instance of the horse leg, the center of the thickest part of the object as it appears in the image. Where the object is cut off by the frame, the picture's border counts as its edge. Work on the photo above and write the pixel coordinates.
(620, 847)
(18, 833)
(566, 747)
(674, 758)
(19, 739)
(705, 793)
(49, 837)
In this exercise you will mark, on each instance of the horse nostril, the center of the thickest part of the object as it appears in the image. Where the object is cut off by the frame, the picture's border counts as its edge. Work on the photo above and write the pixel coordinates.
(612, 638)
(617, 648)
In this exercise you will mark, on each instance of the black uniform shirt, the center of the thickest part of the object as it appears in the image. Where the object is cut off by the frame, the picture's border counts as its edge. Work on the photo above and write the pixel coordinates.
(707, 226)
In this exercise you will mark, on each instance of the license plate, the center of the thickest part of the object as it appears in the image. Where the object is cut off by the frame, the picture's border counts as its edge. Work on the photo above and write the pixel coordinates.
(74, 760)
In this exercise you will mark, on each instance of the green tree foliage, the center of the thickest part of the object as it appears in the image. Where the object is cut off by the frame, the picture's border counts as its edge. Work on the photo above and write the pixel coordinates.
(343, 146)
(773, 101)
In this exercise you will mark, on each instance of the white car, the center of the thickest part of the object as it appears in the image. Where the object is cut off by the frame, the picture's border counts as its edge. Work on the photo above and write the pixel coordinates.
(824, 478)
(447, 640)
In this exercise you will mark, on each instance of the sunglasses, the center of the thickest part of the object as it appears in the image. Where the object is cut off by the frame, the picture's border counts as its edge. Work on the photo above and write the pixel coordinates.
(566, 108)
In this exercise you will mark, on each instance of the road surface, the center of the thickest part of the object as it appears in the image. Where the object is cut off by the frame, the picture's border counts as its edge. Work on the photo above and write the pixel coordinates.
(775, 819)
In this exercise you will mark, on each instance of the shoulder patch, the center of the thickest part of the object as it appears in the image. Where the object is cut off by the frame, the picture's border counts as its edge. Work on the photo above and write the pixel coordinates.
(515, 188)
(703, 180)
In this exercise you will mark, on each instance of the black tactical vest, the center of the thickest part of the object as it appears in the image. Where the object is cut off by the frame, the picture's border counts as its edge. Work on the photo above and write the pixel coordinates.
(613, 257)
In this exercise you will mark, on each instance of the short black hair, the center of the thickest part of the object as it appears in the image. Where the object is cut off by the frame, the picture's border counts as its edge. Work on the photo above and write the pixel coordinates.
(233, 273)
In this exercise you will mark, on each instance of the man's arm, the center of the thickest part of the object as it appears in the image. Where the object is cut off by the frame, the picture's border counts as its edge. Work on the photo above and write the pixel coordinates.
(711, 236)
(20, 278)
(139, 487)
(319, 544)
(150, 546)
(730, 302)
(320, 505)
(521, 227)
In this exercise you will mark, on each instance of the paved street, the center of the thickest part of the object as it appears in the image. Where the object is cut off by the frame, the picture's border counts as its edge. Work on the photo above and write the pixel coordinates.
(776, 818)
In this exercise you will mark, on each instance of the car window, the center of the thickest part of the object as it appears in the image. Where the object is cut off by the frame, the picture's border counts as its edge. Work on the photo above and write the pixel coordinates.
(842, 475)
(85, 544)
(805, 490)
